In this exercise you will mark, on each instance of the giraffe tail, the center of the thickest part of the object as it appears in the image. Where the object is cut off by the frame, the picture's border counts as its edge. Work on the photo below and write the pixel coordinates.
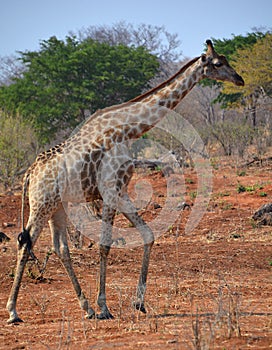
(24, 190)
(24, 236)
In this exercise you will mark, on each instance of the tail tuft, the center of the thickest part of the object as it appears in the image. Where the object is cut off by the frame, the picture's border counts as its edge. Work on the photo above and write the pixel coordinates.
(25, 239)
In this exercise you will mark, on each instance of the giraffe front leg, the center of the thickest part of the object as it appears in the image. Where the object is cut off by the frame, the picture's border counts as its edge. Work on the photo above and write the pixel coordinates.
(105, 244)
(101, 301)
(141, 288)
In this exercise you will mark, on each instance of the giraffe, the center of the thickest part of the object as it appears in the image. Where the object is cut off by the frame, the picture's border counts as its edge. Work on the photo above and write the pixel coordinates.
(71, 172)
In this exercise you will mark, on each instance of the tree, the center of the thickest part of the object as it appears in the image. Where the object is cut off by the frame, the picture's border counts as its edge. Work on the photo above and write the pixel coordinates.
(229, 47)
(64, 80)
(156, 39)
(10, 68)
(233, 136)
(255, 65)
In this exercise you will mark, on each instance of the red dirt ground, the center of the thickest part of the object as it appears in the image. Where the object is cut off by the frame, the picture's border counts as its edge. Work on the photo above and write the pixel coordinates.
(208, 289)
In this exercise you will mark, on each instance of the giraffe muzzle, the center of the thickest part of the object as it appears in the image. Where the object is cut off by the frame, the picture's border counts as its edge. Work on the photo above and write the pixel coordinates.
(238, 80)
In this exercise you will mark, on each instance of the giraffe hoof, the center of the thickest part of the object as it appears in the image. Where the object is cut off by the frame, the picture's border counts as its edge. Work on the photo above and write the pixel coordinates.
(14, 320)
(90, 315)
(140, 307)
(105, 316)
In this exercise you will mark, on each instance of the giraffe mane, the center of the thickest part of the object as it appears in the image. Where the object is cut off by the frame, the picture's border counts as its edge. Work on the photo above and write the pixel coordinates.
(166, 82)
(100, 112)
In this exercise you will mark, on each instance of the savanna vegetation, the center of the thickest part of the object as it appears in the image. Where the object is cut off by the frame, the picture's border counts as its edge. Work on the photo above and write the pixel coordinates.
(45, 94)
(208, 289)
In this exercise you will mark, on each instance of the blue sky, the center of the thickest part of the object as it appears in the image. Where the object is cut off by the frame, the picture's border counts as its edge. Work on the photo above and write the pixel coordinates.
(23, 24)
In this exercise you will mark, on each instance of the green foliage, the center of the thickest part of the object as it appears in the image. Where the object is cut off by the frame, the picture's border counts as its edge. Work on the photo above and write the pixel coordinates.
(17, 143)
(251, 188)
(263, 194)
(241, 173)
(253, 61)
(240, 188)
(64, 79)
(193, 194)
(229, 48)
(255, 65)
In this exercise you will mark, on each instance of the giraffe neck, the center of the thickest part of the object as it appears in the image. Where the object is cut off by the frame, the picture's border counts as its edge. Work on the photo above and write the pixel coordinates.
(172, 91)
(132, 119)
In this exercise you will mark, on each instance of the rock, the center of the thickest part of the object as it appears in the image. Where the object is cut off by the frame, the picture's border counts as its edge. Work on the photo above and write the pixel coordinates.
(264, 215)
(266, 220)
(4, 237)
(156, 205)
(183, 206)
(7, 224)
(266, 208)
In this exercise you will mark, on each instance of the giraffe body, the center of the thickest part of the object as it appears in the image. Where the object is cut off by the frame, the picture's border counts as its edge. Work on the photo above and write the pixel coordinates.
(94, 164)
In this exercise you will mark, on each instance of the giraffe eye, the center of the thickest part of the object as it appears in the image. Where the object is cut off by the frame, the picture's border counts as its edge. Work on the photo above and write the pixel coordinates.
(218, 64)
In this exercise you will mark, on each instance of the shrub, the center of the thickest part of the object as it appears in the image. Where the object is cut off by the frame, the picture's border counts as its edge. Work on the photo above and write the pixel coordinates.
(18, 147)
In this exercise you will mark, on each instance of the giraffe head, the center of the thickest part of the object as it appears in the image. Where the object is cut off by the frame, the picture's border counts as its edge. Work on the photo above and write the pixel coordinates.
(217, 67)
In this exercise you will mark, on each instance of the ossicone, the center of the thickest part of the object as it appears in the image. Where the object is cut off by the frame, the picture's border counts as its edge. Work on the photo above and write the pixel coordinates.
(210, 48)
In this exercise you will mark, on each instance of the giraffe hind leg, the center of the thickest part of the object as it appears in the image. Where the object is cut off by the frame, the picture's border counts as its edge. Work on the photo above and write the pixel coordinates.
(25, 243)
(11, 304)
(58, 229)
